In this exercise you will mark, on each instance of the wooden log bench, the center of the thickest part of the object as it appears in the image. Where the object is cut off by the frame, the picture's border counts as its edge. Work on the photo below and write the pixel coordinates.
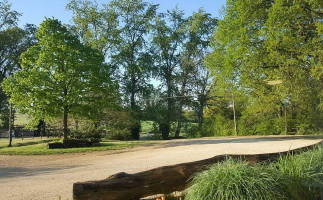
(162, 180)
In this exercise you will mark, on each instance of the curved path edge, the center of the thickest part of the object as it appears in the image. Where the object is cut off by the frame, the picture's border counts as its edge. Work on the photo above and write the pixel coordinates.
(166, 179)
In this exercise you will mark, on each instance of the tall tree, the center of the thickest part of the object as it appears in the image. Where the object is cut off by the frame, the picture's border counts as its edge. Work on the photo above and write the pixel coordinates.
(265, 49)
(193, 75)
(121, 30)
(169, 37)
(13, 41)
(59, 77)
(135, 21)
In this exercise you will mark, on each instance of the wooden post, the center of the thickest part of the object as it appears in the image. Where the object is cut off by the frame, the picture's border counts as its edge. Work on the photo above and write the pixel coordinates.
(10, 124)
(234, 116)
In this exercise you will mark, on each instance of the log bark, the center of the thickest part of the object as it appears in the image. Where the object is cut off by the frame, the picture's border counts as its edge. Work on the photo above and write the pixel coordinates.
(163, 180)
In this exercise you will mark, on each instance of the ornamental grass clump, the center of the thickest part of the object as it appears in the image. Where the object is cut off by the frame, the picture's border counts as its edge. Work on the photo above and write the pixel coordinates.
(306, 169)
(239, 180)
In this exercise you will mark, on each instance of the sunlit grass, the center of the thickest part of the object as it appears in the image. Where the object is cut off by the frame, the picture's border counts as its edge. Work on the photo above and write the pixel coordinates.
(30, 146)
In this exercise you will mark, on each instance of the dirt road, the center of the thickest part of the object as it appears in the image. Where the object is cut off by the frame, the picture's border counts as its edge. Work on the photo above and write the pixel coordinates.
(50, 177)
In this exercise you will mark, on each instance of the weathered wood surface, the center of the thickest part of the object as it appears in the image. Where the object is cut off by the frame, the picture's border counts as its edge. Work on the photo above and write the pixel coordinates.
(162, 180)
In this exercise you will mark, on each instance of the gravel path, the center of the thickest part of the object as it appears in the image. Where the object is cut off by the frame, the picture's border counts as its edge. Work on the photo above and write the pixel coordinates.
(50, 177)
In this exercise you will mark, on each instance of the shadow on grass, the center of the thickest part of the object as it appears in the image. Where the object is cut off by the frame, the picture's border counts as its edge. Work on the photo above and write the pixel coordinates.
(23, 143)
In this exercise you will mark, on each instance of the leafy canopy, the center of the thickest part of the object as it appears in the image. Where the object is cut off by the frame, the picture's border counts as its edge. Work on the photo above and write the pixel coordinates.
(59, 74)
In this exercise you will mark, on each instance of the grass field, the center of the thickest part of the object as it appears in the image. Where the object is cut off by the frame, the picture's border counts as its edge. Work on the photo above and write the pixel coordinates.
(21, 119)
(38, 146)
(146, 126)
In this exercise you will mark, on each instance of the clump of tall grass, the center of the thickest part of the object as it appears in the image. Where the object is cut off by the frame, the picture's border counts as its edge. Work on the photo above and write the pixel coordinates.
(305, 169)
(292, 177)
(238, 180)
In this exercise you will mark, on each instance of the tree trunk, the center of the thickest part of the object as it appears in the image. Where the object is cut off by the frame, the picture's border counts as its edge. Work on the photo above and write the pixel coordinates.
(133, 93)
(200, 117)
(132, 100)
(65, 122)
(234, 116)
(169, 105)
(180, 112)
(179, 120)
(96, 126)
(10, 124)
(179, 125)
(43, 130)
(76, 125)
(286, 123)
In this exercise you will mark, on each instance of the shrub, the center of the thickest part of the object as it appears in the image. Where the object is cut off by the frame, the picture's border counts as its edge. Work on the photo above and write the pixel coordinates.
(237, 180)
(119, 134)
(192, 131)
(86, 135)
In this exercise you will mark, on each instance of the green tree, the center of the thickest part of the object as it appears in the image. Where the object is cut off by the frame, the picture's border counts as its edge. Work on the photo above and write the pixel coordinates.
(169, 37)
(121, 29)
(60, 76)
(268, 51)
(97, 27)
(193, 77)
(13, 41)
(135, 21)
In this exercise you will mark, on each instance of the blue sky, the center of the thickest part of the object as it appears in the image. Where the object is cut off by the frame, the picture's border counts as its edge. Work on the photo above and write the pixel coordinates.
(34, 11)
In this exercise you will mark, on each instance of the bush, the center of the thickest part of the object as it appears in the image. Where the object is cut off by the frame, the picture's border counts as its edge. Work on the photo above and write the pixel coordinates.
(86, 135)
(239, 180)
(192, 131)
(119, 134)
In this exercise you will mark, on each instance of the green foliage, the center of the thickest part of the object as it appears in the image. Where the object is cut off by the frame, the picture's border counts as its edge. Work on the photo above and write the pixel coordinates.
(60, 76)
(96, 27)
(122, 125)
(192, 131)
(291, 177)
(267, 54)
(305, 169)
(13, 41)
(119, 134)
(147, 126)
(239, 180)
(86, 135)
(120, 30)
(168, 38)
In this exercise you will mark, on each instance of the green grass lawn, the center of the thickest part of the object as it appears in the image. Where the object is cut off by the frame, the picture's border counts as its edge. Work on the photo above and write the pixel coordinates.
(147, 126)
(38, 146)
(21, 119)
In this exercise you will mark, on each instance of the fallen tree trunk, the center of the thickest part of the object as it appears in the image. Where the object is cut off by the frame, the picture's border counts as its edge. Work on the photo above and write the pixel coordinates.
(162, 180)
